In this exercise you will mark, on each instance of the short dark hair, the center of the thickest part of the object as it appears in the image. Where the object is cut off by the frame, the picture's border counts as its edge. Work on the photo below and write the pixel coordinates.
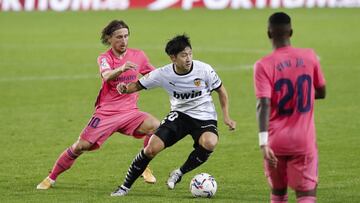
(111, 28)
(177, 44)
(279, 18)
(279, 26)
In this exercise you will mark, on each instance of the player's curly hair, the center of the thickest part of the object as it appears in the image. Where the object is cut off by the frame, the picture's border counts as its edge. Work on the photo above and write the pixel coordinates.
(111, 28)
(177, 44)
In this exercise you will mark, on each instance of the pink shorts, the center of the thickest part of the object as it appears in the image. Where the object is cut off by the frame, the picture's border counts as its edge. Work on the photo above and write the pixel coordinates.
(300, 172)
(101, 127)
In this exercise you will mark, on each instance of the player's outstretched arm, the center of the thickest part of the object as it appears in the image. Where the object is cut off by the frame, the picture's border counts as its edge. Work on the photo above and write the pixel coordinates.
(113, 74)
(224, 102)
(123, 88)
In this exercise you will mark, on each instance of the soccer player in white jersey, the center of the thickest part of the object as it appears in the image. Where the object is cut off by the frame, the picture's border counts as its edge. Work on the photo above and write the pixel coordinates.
(189, 84)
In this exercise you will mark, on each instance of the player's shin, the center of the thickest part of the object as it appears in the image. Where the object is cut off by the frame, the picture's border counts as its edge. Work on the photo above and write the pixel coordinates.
(136, 168)
(64, 162)
(195, 159)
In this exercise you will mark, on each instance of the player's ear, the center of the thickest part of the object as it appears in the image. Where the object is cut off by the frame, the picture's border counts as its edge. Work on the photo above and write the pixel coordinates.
(172, 58)
(269, 34)
(291, 32)
(108, 38)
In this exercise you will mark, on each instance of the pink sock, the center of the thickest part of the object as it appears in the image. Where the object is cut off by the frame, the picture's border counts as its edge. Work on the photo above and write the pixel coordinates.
(64, 162)
(306, 199)
(279, 199)
(146, 140)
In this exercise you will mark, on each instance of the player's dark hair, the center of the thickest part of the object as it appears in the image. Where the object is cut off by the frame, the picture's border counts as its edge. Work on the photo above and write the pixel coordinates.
(111, 28)
(279, 18)
(177, 44)
(279, 26)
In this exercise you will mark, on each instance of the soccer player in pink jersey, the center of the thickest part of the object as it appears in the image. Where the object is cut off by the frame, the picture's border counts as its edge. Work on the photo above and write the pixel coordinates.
(114, 112)
(287, 82)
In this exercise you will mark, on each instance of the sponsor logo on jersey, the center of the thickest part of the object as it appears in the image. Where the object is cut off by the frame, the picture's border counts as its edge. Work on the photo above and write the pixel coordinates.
(187, 95)
(126, 78)
(197, 82)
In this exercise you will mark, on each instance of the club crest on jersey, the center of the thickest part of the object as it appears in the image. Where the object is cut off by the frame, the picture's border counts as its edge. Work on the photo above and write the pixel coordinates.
(197, 82)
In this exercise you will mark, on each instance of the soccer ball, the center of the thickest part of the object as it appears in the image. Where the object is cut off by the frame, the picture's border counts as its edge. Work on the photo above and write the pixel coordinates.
(203, 185)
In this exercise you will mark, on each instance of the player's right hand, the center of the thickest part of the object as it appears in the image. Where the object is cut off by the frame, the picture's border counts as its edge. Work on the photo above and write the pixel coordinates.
(269, 156)
(127, 66)
(230, 123)
(121, 88)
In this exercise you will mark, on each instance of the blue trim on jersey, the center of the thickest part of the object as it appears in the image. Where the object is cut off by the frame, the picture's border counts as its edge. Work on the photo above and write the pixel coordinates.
(217, 87)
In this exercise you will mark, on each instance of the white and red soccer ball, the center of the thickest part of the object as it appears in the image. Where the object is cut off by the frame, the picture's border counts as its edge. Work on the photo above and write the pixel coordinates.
(203, 185)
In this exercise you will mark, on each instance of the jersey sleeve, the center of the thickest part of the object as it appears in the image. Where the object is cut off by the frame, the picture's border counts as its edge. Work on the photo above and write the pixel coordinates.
(146, 66)
(214, 80)
(319, 79)
(262, 82)
(151, 80)
(103, 63)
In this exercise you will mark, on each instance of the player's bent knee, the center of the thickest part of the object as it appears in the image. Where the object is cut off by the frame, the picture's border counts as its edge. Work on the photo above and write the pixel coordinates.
(78, 149)
(80, 146)
(151, 151)
(149, 126)
(209, 144)
(155, 123)
(208, 141)
(155, 146)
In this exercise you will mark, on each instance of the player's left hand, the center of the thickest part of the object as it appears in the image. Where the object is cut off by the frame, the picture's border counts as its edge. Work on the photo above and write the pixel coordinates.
(121, 88)
(128, 66)
(230, 123)
(269, 155)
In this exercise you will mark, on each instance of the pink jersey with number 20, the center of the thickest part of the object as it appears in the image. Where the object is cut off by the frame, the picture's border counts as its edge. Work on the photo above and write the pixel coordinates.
(289, 76)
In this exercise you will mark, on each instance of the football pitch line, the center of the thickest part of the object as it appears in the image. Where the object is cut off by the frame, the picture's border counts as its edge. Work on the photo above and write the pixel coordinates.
(93, 76)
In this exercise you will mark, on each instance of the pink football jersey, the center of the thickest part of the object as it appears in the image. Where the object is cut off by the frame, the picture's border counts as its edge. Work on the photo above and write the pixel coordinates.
(109, 100)
(289, 76)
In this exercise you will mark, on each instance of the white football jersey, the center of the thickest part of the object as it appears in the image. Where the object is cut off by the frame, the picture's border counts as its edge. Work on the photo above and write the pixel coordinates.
(189, 93)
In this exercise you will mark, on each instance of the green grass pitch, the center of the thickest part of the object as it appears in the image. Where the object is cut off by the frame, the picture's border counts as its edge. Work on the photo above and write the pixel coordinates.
(49, 82)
